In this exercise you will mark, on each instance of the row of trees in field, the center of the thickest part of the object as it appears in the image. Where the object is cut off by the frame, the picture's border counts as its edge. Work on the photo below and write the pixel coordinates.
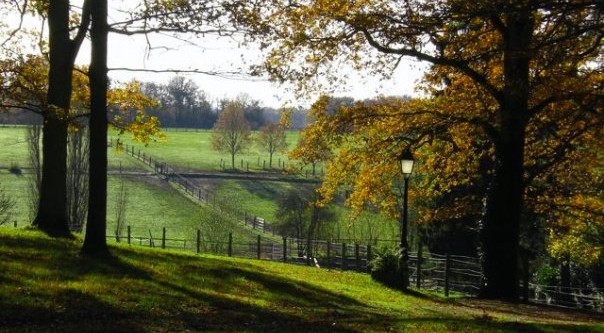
(509, 130)
(232, 133)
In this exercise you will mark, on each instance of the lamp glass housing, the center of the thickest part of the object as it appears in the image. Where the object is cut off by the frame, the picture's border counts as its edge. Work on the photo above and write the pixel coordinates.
(407, 163)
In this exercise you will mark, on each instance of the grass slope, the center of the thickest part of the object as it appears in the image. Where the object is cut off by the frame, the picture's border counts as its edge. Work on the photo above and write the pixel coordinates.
(46, 286)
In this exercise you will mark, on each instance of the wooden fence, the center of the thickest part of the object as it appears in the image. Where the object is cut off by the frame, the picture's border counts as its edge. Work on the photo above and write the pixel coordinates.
(198, 193)
(445, 273)
(442, 272)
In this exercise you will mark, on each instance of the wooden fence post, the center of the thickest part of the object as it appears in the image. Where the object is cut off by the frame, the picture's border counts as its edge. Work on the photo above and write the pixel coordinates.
(328, 253)
(15, 223)
(525, 278)
(163, 238)
(369, 257)
(343, 263)
(129, 235)
(447, 273)
(198, 240)
(230, 248)
(418, 272)
(258, 248)
(357, 256)
(284, 249)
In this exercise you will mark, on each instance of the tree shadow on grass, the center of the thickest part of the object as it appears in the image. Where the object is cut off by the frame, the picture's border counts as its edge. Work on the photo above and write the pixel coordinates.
(292, 306)
(448, 324)
(198, 294)
(266, 191)
(531, 310)
(67, 311)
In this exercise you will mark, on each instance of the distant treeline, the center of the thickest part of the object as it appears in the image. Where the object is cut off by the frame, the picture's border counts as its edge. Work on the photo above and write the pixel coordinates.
(183, 104)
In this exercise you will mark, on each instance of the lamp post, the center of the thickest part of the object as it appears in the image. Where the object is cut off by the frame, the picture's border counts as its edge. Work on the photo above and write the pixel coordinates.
(407, 162)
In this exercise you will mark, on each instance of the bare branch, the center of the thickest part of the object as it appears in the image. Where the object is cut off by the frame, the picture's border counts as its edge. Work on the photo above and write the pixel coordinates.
(22, 11)
(457, 64)
(231, 75)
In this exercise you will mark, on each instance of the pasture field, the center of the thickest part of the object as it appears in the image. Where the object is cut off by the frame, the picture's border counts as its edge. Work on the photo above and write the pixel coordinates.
(13, 147)
(17, 188)
(192, 150)
(48, 287)
(154, 204)
(13, 151)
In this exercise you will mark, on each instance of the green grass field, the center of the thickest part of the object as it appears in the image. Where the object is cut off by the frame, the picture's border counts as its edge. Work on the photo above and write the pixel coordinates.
(192, 150)
(47, 286)
(154, 204)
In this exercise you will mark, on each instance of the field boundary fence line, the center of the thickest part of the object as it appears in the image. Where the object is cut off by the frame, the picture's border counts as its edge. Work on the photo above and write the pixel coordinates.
(199, 194)
(450, 274)
(439, 272)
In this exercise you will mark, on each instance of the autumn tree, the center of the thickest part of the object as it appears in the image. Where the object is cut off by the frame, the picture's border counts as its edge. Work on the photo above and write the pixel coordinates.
(510, 58)
(66, 32)
(231, 133)
(272, 139)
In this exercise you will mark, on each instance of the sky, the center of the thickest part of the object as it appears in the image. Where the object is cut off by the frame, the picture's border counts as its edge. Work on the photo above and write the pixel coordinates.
(221, 55)
(224, 55)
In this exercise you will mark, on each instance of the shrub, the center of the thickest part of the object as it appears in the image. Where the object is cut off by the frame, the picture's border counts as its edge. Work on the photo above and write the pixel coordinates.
(385, 267)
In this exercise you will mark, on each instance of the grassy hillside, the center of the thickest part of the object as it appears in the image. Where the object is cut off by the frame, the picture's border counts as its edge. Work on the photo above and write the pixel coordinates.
(46, 286)
(154, 204)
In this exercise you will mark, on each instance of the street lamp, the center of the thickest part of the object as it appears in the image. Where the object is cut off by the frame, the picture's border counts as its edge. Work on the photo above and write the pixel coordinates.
(407, 162)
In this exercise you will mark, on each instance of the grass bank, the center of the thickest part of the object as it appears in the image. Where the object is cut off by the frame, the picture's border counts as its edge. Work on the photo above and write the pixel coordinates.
(46, 286)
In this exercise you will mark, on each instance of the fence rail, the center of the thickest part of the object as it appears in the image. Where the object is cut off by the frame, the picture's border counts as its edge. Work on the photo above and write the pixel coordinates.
(446, 273)
(197, 193)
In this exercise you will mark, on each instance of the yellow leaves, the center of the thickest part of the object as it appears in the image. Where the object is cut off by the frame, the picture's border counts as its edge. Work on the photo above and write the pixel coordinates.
(572, 246)
(285, 120)
(127, 103)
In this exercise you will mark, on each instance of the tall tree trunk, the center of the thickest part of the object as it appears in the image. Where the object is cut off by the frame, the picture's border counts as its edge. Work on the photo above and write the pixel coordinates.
(565, 282)
(95, 243)
(270, 160)
(501, 221)
(51, 216)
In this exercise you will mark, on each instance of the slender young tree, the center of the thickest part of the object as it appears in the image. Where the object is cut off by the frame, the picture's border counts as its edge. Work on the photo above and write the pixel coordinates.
(272, 139)
(231, 133)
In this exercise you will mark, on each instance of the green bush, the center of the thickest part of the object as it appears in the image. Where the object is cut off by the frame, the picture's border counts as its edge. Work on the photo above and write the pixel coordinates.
(385, 267)
(547, 275)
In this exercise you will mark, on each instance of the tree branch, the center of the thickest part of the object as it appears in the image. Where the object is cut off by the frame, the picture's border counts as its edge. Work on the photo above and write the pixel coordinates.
(457, 64)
